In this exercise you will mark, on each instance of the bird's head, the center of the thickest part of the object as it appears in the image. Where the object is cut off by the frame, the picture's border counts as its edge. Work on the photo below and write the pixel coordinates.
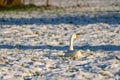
(75, 36)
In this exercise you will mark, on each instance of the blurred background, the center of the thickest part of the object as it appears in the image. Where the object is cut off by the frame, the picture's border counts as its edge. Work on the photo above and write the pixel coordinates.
(60, 3)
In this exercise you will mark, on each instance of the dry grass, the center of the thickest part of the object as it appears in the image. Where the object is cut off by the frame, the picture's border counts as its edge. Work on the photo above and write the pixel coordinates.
(9, 3)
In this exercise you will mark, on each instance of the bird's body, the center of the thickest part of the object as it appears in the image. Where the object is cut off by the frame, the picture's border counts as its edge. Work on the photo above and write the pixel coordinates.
(71, 52)
(75, 54)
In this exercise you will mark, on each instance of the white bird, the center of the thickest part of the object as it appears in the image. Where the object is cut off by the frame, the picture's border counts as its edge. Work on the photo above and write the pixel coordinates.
(71, 52)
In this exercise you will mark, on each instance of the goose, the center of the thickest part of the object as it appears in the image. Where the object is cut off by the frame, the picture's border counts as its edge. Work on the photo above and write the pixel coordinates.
(71, 52)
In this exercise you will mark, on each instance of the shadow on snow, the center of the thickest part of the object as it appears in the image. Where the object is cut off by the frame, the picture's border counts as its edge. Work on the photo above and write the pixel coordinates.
(85, 47)
(109, 18)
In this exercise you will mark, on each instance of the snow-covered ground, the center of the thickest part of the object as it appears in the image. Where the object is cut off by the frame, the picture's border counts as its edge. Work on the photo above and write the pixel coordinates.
(32, 46)
(68, 3)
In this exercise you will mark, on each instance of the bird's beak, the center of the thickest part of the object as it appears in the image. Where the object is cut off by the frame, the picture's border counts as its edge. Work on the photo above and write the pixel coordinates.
(77, 36)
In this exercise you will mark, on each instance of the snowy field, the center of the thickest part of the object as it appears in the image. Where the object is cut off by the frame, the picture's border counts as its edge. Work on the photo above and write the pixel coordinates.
(32, 46)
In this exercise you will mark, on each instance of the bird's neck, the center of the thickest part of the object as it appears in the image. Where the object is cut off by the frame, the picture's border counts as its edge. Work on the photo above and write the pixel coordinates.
(71, 44)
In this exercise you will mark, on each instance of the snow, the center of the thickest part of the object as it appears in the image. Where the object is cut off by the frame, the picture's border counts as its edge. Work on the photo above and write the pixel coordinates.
(68, 3)
(32, 46)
